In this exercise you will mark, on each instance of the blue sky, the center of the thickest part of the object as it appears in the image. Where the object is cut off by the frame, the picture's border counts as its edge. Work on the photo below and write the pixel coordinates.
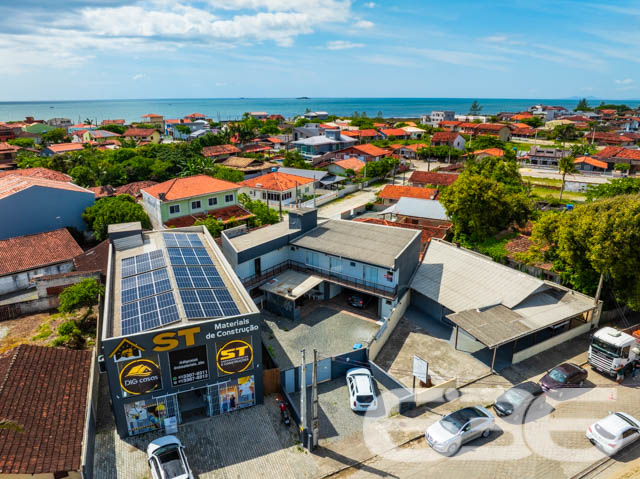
(101, 49)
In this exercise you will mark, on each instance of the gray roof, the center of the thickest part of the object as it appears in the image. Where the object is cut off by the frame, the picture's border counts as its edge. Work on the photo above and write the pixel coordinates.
(363, 242)
(418, 208)
(460, 279)
(323, 140)
(317, 175)
(262, 235)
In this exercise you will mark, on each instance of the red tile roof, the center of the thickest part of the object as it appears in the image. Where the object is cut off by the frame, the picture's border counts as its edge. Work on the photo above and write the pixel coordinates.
(276, 181)
(497, 152)
(190, 186)
(370, 150)
(591, 161)
(428, 232)
(413, 147)
(65, 147)
(151, 115)
(7, 148)
(444, 136)
(605, 136)
(44, 390)
(209, 151)
(94, 259)
(225, 214)
(198, 115)
(28, 252)
(367, 132)
(12, 184)
(619, 152)
(433, 178)
(38, 172)
(351, 164)
(113, 122)
(394, 132)
(445, 123)
(490, 126)
(139, 132)
(395, 192)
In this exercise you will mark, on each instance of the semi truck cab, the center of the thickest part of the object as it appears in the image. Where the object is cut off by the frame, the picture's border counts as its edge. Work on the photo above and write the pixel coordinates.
(610, 349)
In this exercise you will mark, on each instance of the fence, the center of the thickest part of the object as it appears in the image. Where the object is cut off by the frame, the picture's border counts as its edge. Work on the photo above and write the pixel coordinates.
(389, 325)
(440, 393)
(271, 381)
(403, 396)
(89, 436)
(14, 310)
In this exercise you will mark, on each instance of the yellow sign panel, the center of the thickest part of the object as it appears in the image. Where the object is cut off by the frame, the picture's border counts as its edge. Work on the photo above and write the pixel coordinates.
(171, 339)
(140, 376)
(234, 356)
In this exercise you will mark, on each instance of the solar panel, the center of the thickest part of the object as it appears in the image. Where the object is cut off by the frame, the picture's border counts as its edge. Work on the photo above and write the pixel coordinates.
(188, 256)
(173, 240)
(142, 263)
(144, 285)
(197, 277)
(148, 313)
(200, 304)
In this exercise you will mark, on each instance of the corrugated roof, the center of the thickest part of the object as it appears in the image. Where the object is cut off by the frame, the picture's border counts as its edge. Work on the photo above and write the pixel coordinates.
(24, 253)
(460, 279)
(418, 208)
(363, 242)
(12, 184)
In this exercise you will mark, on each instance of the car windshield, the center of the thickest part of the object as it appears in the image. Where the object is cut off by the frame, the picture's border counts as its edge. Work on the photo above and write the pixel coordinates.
(627, 420)
(603, 432)
(515, 396)
(605, 347)
(453, 422)
(364, 398)
(558, 375)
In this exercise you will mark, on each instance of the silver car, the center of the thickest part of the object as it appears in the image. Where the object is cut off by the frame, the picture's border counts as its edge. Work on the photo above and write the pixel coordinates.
(449, 434)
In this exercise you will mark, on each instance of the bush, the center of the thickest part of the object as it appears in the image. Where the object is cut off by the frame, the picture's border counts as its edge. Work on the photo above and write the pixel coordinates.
(113, 210)
(84, 293)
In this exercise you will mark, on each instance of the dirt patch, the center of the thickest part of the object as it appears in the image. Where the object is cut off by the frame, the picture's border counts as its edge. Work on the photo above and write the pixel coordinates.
(37, 329)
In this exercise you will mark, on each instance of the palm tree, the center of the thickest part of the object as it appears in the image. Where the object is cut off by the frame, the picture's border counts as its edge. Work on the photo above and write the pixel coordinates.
(7, 424)
(566, 166)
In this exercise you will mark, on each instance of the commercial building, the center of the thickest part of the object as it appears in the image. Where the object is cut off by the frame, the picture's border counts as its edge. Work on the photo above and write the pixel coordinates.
(181, 336)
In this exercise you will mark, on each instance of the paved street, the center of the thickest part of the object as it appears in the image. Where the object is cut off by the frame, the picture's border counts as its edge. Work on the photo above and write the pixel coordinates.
(553, 174)
(359, 198)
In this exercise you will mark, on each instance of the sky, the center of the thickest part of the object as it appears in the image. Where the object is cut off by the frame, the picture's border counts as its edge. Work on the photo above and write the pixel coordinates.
(104, 49)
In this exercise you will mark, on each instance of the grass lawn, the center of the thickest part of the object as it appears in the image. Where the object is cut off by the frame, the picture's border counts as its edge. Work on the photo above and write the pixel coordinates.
(543, 181)
(543, 192)
(493, 247)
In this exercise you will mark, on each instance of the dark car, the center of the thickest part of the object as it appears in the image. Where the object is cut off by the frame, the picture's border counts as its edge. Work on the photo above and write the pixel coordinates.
(567, 375)
(359, 301)
(517, 400)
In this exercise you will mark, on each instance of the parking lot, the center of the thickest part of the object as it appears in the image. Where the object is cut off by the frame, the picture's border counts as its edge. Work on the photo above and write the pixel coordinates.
(329, 331)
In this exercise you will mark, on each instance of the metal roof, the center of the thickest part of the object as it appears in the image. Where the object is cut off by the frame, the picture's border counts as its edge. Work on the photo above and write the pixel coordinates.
(291, 284)
(418, 208)
(363, 242)
(315, 174)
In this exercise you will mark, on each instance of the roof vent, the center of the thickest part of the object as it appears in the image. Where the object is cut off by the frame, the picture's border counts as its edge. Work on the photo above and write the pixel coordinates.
(125, 235)
(614, 333)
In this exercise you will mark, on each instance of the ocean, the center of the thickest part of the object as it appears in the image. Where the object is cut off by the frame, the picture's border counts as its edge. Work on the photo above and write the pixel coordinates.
(233, 108)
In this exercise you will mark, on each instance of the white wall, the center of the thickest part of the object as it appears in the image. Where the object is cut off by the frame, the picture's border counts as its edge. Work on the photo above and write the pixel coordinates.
(550, 343)
(21, 281)
(272, 258)
(152, 206)
(385, 309)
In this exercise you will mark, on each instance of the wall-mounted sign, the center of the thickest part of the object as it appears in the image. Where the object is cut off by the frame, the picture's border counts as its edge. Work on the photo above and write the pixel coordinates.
(234, 356)
(126, 350)
(140, 376)
(188, 365)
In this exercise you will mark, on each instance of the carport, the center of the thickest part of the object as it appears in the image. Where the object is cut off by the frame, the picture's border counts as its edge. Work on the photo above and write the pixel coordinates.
(284, 290)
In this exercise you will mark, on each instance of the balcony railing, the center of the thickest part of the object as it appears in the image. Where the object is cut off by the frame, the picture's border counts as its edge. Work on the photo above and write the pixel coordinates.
(335, 277)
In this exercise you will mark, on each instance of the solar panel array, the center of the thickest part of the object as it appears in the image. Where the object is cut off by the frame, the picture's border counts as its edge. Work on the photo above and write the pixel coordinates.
(201, 288)
(146, 298)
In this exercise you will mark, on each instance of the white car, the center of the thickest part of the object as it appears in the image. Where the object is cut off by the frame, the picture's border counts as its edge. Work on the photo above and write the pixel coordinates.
(614, 432)
(362, 396)
(167, 460)
(449, 434)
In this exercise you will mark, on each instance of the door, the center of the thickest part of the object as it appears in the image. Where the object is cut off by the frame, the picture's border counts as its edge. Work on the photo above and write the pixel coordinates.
(370, 275)
(335, 264)
(629, 436)
(257, 264)
(290, 380)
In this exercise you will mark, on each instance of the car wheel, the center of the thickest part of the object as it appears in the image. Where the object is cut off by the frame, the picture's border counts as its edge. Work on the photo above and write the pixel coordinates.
(452, 449)
(486, 433)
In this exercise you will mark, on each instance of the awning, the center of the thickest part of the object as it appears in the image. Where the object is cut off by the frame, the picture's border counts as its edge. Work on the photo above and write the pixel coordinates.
(291, 284)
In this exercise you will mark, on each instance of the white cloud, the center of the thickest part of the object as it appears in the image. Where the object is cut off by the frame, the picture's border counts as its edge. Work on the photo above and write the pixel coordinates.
(626, 81)
(138, 76)
(370, 4)
(496, 39)
(462, 58)
(364, 24)
(343, 45)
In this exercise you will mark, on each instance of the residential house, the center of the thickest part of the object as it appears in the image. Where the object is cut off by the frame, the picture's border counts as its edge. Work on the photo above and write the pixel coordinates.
(190, 198)
(143, 135)
(546, 156)
(98, 136)
(133, 189)
(451, 125)
(46, 390)
(408, 151)
(316, 146)
(495, 152)
(277, 117)
(365, 152)
(38, 172)
(321, 178)
(437, 117)
(219, 152)
(60, 149)
(340, 167)
(251, 167)
(153, 119)
(492, 129)
(523, 131)
(278, 188)
(118, 122)
(323, 260)
(397, 133)
(448, 138)
(31, 205)
(259, 115)
(414, 132)
(392, 193)
(8, 155)
(363, 136)
(272, 142)
(195, 128)
(432, 178)
(418, 211)
(308, 131)
(60, 122)
(586, 163)
(316, 115)
(7, 131)
(605, 138)
(81, 126)
(616, 154)
(195, 117)
(23, 258)
(522, 116)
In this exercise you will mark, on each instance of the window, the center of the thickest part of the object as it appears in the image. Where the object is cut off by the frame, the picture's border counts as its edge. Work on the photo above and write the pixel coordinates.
(174, 209)
(286, 196)
(628, 432)
(625, 352)
(228, 198)
(196, 205)
(313, 259)
(214, 201)
(264, 195)
(352, 264)
(306, 190)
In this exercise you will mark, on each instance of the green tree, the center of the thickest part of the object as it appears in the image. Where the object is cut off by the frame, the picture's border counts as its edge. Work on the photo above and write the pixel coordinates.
(57, 135)
(566, 166)
(293, 159)
(117, 129)
(112, 210)
(616, 187)
(184, 129)
(214, 225)
(482, 142)
(582, 149)
(84, 293)
(583, 105)
(84, 176)
(564, 133)
(475, 108)
(22, 142)
(504, 171)
(624, 167)
(263, 214)
(533, 122)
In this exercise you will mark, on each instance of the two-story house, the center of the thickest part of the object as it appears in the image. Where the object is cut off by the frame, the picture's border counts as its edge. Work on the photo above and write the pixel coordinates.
(316, 146)
(277, 188)
(139, 135)
(190, 198)
(153, 119)
(448, 138)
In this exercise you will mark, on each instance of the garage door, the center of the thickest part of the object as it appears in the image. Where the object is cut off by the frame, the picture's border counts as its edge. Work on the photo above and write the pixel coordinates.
(324, 371)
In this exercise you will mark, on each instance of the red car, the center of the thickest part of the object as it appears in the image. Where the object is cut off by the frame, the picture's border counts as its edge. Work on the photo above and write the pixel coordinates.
(567, 375)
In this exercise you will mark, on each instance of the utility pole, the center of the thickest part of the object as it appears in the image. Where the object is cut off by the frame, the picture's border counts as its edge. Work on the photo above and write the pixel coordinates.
(303, 399)
(314, 401)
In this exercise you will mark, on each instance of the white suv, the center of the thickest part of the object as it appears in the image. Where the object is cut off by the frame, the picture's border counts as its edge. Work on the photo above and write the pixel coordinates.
(362, 396)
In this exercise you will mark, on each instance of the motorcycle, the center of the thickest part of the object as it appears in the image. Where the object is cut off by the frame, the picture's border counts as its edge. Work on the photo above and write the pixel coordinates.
(284, 414)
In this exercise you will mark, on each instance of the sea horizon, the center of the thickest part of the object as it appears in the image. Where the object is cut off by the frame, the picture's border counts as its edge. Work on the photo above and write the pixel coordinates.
(233, 108)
